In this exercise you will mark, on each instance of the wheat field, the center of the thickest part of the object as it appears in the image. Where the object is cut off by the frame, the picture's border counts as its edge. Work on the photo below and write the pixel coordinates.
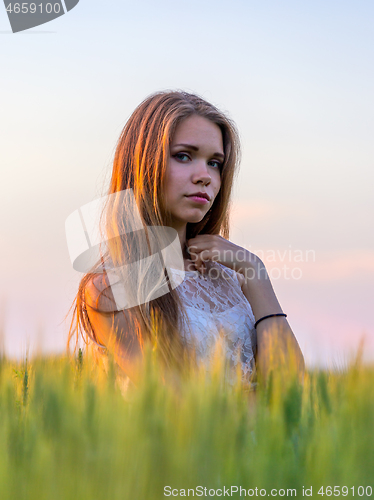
(68, 431)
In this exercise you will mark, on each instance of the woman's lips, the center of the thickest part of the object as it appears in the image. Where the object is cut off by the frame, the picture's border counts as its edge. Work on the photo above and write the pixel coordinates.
(198, 199)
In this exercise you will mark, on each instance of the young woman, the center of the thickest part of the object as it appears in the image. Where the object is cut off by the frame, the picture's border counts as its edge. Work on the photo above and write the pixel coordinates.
(179, 156)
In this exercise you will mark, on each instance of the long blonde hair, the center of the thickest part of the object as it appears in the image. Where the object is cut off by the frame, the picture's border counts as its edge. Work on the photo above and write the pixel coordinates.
(140, 164)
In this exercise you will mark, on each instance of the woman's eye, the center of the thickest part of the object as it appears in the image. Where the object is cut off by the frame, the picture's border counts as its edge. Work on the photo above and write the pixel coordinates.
(181, 156)
(218, 164)
(184, 158)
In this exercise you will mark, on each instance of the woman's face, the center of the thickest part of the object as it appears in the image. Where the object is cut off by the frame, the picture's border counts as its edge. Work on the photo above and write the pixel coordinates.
(196, 158)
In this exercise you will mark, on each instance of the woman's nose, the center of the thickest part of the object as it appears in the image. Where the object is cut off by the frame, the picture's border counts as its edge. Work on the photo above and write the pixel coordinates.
(201, 172)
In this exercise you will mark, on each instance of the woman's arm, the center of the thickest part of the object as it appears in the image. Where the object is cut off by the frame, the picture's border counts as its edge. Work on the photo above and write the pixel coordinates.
(113, 328)
(277, 347)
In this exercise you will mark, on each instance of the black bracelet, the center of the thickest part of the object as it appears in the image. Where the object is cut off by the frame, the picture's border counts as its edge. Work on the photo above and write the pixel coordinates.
(270, 316)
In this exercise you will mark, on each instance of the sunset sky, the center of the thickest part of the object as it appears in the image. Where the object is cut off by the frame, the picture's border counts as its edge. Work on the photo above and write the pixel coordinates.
(298, 80)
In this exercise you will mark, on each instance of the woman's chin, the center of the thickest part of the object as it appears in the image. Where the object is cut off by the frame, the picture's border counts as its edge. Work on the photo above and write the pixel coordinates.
(195, 220)
(191, 218)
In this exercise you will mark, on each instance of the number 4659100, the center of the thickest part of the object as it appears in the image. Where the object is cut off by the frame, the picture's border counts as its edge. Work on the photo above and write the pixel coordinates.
(344, 491)
(25, 8)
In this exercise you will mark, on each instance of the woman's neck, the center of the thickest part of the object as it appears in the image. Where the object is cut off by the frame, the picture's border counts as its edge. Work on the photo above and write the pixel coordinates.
(188, 263)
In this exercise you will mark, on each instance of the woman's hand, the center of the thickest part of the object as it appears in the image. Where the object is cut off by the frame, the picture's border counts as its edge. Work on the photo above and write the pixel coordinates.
(276, 342)
(213, 247)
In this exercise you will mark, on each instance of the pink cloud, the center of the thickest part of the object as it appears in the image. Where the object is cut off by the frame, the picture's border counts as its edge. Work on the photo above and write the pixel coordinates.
(257, 211)
(334, 266)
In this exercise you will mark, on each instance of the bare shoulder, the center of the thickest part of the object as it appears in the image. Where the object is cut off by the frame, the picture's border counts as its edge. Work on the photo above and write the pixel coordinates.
(98, 294)
(106, 319)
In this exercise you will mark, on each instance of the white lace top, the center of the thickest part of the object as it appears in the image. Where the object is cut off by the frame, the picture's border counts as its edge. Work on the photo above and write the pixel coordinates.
(214, 301)
(215, 304)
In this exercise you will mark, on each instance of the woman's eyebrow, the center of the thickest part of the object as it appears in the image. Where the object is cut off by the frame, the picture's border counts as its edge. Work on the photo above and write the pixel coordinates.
(195, 148)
